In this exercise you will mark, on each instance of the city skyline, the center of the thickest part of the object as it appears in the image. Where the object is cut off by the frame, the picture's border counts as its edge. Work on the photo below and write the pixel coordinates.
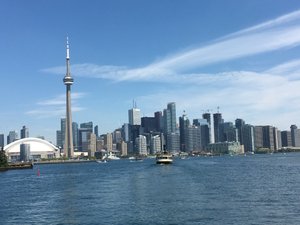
(241, 57)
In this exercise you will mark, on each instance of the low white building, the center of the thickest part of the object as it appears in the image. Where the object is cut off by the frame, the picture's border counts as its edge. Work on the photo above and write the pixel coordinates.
(39, 149)
(226, 148)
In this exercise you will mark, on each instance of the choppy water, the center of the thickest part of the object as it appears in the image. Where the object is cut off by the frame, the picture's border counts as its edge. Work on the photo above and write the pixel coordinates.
(259, 189)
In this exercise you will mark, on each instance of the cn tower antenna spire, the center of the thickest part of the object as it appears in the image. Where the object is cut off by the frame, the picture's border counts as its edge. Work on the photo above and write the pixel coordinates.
(68, 48)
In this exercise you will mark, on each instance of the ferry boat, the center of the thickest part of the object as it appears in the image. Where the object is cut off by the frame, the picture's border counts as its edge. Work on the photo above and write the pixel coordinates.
(164, 158)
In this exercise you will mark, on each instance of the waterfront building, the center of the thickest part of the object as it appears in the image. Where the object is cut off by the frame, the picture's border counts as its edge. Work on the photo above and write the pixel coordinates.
(204, 135)
(193, 139)
(24, 132)
(158, 121)
(170, 118)
(96, 131)
(126, 132)
(247, 135)
(141, 145)
(75, 136)
(266, 137)
(24, 152)
(58, 138)
(109, 142)
(155, 144)
(295, 134)
(2, 141)
(100, 143)
(258, 137)
(63, 131)
(279, 140)
(92, 145)
(173, 143)
(184, 123)
(117, 136)
(148, 124)
(83, 136)
(134, 132)
(68, 81)
(217, 127)
(239, 124)
(286, 139)
(226, 148)
(228, 132)
(207, 117)
(204, 130)
(134, 116)
(39, 149)
(123, 148)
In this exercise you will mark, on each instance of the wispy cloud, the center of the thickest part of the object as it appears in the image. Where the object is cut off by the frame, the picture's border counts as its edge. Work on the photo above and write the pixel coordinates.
(252, 95)
(256, 97)
(279, 33)
(56, 106)
(290, 69)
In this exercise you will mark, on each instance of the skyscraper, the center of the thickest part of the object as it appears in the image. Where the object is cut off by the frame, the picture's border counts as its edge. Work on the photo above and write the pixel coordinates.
(217, 125)
(158, 121)
(75, 136)
(239, 123)
(286, 138)
(109, 142)
(63, 131)
(68, 81)
(155, 144)
(134, 116)
(1, 140)
(58, 138)
(207, 116)
(248, 137)
(171, 118)
(96, 131)
(295, 133)
(24, 132)
(184, 123)
(12, 136)
(141, 145)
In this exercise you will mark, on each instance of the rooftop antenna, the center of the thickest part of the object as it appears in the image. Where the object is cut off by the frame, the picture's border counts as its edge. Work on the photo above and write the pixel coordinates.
(218, 108)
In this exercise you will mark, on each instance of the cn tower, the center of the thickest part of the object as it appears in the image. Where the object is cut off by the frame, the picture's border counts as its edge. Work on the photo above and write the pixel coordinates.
(68, 81)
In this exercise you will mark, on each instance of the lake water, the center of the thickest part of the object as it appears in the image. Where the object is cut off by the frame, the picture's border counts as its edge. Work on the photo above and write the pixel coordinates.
(256, 189)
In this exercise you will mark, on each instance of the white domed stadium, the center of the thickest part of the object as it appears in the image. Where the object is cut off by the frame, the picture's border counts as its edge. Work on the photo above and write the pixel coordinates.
(38, 149)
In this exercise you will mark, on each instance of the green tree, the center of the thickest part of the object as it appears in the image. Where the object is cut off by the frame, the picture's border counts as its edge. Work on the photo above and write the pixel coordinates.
(3, 159)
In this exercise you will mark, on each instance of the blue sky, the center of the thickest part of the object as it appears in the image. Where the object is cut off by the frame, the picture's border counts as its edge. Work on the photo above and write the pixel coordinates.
(242, 56)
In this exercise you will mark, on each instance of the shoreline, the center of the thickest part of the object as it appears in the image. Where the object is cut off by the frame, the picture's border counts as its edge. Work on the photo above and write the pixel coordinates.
(62, 161)
(16, 166)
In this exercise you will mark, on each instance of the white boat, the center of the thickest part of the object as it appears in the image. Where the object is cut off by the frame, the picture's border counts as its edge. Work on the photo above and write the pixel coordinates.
(112, 156)
(164, 158)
